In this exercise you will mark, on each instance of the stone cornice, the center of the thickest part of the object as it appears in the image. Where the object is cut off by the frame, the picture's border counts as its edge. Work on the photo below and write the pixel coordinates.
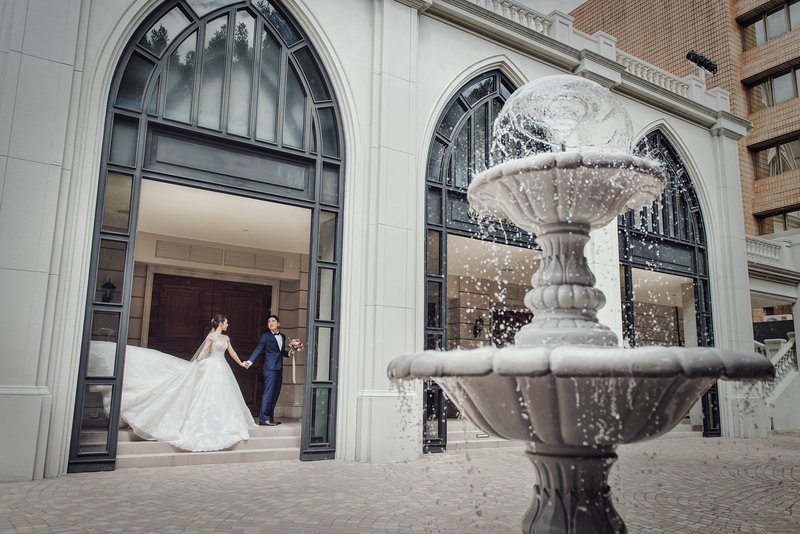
(502, 29)
(770, 273)
(419, 5)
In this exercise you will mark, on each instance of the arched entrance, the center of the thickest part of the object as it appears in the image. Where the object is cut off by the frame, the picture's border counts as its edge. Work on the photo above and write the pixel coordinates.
(226, 97)
(664, 268)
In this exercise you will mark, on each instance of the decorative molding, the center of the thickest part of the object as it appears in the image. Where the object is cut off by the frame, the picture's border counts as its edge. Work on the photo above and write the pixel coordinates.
(25, 391)
(419, 5)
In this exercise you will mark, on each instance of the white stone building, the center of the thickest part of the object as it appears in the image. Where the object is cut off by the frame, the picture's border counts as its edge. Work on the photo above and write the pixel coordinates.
(156, 169)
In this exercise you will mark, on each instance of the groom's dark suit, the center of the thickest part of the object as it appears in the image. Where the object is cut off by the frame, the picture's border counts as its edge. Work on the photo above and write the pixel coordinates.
(273, 371)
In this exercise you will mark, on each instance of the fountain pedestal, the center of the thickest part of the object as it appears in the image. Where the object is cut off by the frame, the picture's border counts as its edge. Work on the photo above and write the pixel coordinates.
(571, 492)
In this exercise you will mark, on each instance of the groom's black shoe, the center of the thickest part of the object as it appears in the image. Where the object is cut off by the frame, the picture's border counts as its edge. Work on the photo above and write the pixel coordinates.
(271, 423)
(261, 422)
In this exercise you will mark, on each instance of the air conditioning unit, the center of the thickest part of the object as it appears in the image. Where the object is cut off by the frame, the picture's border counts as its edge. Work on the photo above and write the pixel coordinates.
(782, 317)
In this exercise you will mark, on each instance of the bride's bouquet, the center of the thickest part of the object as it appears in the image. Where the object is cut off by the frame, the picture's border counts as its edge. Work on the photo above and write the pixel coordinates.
(295, 345)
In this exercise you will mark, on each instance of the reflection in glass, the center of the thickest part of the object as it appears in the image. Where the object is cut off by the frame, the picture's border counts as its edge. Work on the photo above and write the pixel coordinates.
(103, 346)
(433, 342)
(319, 90)
(131, 87)
(180, 80)
(110, 268)
(330, 185)
(782, 88)
(776, 24)
(213, 73)
(325, 295)
(295, 114)
(480, 158)
(124, 141)
(281, 25)
(117, 202)
(760, 96)
(754, 34)
(434, 205)
(95, 423)
(202, 7)
(790, 156)
(461, 170)
(322, 354)
(319, 415)
(478, 90)
(162, 33)
(330, 138)
(435, 161)
(450, 119)
(269, 71)
(434, 253)
(433, 310)
(152, 107)
(241, 74)
(327, 236)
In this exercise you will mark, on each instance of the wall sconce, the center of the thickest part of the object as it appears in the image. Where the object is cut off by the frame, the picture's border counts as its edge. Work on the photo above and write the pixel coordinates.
(477, 329)
(107, 290)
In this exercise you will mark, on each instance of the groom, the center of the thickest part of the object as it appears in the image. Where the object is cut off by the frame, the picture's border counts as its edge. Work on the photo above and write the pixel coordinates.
(273, 345)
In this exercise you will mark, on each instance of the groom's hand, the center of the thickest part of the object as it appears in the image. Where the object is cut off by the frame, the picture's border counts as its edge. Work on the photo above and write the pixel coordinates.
(247, 364)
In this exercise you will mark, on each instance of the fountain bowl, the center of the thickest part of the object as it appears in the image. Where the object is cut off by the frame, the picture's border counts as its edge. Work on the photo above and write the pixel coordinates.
(574, 187)
(578, 397)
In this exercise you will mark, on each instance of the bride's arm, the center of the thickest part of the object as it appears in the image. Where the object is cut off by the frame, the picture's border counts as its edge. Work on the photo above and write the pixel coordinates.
(233, 354)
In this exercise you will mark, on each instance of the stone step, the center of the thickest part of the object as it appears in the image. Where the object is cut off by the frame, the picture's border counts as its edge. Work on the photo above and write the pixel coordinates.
(286, 428)
(266, 444)
(126, 461)
(254, 443)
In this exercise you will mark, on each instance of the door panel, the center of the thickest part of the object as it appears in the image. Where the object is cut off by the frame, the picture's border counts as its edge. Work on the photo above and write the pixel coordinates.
(181, 312)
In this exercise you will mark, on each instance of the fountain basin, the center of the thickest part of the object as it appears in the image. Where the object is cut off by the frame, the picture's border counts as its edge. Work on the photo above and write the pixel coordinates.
(578, 397)
(574, 187)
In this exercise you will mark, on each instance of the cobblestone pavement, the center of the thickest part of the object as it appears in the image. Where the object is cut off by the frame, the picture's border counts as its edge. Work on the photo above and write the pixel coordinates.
(680, 485)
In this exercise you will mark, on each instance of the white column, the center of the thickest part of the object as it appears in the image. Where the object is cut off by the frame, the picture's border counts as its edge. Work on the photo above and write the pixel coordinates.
(602, 255)
(386, 423)
(742, 407)
(37, 78)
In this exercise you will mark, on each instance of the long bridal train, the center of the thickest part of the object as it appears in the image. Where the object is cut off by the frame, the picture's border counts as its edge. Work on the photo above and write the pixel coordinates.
(194, 406)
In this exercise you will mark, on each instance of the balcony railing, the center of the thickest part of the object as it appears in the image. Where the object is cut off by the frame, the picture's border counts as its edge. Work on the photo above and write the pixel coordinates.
(785, 362)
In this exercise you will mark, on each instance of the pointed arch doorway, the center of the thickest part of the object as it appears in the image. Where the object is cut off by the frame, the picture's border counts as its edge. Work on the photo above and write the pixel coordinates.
(226, 97)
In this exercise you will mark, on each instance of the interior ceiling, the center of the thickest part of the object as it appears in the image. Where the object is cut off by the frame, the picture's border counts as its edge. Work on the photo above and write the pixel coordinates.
(189, 213)
(658, 288)
(492, 261)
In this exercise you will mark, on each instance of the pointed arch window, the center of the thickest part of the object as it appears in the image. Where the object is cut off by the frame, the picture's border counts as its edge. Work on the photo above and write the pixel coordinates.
(662, 242)
(458, 150)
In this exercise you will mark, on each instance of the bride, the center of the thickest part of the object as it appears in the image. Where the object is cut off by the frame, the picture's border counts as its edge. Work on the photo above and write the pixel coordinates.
(194, 405)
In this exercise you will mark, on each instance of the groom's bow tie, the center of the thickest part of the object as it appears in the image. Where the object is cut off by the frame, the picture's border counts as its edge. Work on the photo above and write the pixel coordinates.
(276, 333)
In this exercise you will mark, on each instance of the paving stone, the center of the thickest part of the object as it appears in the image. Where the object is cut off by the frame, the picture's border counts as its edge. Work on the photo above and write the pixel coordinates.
(671, 486)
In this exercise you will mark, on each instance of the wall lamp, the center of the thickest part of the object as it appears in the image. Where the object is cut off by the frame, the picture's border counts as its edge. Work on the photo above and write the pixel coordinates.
(477, 328)
(107, 290)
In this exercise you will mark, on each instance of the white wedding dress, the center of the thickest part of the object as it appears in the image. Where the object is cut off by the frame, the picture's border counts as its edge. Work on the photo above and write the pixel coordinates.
(195, 406)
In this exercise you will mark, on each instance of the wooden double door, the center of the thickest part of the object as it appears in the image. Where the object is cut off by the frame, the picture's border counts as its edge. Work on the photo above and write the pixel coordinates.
(180, 318)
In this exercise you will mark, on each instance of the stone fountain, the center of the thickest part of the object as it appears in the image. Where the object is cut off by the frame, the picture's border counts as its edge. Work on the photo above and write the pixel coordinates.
(562, 166)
